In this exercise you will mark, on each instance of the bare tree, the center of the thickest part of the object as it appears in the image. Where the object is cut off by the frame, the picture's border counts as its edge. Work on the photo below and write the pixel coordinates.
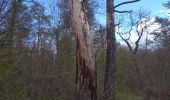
(138, 26)
(86, 68)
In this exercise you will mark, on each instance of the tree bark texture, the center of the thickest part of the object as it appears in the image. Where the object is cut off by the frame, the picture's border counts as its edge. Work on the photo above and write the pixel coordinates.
(110, 71)
(86, 83)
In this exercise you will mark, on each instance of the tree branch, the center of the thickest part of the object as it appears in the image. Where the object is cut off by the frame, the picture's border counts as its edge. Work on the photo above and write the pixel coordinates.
(125, 11)
(126, 2)
(127, 42)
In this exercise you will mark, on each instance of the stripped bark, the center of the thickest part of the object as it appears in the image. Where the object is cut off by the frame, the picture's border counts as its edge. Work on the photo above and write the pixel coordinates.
(86, 84)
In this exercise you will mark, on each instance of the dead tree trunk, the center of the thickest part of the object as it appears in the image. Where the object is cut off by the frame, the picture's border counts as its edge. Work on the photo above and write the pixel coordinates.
(86, 68)
(110, 71)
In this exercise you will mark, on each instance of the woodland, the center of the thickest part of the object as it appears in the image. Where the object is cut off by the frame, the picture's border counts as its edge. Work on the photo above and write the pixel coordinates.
(60, 50)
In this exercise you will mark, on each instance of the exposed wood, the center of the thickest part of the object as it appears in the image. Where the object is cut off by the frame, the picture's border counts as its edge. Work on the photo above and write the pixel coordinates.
(86, 84)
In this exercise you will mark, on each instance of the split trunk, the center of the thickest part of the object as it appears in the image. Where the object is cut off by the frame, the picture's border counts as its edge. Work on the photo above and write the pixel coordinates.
(85, 59)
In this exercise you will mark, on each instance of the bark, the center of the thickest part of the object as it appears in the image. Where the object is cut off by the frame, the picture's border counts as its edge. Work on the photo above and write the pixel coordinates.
(110, 71)
(86, 68)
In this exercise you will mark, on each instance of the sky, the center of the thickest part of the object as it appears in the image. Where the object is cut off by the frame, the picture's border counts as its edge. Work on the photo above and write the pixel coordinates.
(154, 6)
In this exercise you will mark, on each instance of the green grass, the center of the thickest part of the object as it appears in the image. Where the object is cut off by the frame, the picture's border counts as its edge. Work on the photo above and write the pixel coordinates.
(126, 96)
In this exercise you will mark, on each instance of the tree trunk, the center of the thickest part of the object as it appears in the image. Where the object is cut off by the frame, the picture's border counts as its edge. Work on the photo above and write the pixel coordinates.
(110, 71)
(86, 68)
